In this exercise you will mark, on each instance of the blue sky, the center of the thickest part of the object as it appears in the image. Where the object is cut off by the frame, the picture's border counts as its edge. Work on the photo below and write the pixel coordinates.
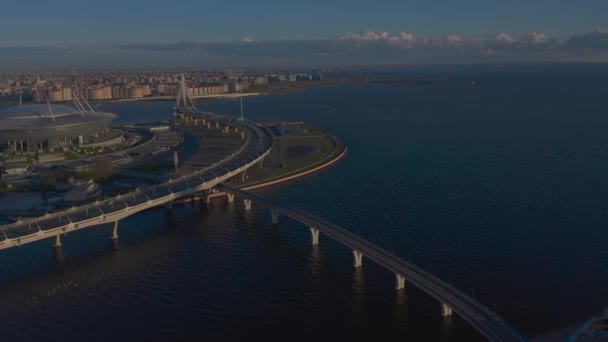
(118, 30)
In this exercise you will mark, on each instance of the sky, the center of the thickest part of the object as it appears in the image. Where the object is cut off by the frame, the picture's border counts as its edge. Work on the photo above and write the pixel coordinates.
(38, 34)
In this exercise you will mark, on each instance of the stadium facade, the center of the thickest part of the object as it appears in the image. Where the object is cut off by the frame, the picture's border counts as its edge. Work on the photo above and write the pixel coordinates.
(34, 127)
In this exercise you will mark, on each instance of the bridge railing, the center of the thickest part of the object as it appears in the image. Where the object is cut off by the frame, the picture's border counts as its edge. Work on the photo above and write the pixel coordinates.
(436, 286)
(243, 125)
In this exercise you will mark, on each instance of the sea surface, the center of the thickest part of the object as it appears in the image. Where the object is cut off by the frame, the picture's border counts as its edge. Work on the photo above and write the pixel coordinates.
(500, 188)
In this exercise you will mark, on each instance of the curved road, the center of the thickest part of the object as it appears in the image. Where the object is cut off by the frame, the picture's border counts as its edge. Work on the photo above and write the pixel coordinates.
(480, 317)
(259, 141)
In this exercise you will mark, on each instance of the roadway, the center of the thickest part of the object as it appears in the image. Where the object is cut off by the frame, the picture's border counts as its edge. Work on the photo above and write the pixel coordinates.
(481, 318)
(259, 141)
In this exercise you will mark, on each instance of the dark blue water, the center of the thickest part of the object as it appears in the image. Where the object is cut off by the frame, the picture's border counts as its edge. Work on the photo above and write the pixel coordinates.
(499, 188)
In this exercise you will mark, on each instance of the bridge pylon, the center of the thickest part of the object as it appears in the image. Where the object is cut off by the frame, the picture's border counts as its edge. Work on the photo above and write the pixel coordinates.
(114, 231)
(399, 281)
(57, 241)
(446, 310)
(247, 204)
(358, 258)
(183, 99)
(315, 235)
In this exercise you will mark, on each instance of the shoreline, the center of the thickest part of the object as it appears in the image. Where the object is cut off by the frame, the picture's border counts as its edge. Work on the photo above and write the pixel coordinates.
(287, 178)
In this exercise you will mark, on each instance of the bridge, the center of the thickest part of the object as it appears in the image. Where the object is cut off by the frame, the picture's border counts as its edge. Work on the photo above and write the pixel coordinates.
(452, 300)
(258, 143)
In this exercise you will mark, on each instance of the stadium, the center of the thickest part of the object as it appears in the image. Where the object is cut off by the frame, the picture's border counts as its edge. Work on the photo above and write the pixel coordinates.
(34, 127)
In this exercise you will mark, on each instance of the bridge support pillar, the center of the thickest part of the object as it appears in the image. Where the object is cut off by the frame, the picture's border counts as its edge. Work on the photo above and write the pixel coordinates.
(446, 310)
(217, 125)
(115, 231)
(230, 197)
(206, 198)
(227, 129)
(261, 163)
(57, 241)
(243, 175)
(208, 124)
(247, 204)
(358, 258)
(243, 135)
(399, 281)
(175, 160)
(274, 216)
(314, 232)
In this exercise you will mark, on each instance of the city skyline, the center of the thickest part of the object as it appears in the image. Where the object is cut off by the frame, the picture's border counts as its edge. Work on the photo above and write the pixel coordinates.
(192, 34)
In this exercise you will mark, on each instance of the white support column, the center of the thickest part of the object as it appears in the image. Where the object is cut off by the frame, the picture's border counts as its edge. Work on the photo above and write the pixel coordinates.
(115, 231)
(57, 241)
(247, 204)
(230, 197)
(399, 281)
(358, 258)
(315, 235)
(274, 216)
(217, 125)
(208, 124)
(243, 135)
(227, 129)
(446, 310)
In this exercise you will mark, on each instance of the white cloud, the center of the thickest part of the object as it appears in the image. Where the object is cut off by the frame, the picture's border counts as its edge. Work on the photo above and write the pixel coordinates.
(534, 38)
(504, 38)
(453, 38)
(247, 40)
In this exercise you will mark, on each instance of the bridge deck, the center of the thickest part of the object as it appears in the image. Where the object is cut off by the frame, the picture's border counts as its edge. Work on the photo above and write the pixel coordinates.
(259, 141)
(480, 317)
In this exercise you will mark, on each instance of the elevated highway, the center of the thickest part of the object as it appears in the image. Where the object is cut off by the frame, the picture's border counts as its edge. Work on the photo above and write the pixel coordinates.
(452, 300)
(257, 145)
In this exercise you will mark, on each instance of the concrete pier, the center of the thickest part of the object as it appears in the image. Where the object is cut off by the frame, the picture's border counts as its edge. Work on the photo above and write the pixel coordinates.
(399, 281)
(358, 258)
(208, 124)
(230, 197)
(314, 232)
(115, 231)
(217, 125)
(227, 129)
(274, 216)
(446, 310)
(247, 204)
(243, 135)
(57, 241)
